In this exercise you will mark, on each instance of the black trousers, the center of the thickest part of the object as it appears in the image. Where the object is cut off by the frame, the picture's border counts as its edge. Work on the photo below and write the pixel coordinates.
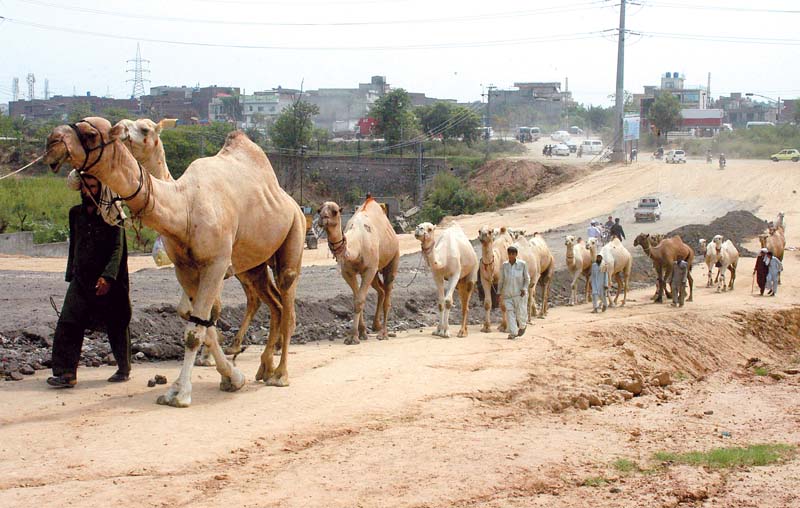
(80, 306)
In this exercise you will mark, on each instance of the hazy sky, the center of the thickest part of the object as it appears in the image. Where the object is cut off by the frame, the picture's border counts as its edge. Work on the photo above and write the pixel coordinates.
(535, 40)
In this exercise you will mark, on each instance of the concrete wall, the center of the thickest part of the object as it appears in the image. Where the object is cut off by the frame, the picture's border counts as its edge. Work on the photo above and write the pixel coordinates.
(342, 174)
(22, 244)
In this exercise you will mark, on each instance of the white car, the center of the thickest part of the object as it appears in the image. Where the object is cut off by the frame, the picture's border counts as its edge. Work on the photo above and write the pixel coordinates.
(675, 157)
(561, 149)
(559, 136)
(591, 147)
(572, 144)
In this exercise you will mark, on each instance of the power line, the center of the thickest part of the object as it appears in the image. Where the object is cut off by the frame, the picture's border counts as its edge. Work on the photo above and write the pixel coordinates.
(593, 4)
(675, 5)
(451, 45)
(735, 39)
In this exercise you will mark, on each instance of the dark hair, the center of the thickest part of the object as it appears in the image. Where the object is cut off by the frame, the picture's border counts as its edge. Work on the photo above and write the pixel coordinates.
(511, 248)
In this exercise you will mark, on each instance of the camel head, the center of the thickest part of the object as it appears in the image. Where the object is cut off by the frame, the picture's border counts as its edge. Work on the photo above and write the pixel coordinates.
(140, 136)
(762, 238)
(516, 233)
(569, 241)
(486, 235)
(702, 243)
(424, 233)
(81, 145)
(643, 239)
(591, 244)
(717, 240)
(330, 215)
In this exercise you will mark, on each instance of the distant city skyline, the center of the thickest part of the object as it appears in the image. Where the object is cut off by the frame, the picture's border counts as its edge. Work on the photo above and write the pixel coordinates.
(461, 48)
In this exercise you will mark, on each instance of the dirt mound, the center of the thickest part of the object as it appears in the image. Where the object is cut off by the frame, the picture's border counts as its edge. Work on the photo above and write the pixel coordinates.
(738, 226)
(509, 181)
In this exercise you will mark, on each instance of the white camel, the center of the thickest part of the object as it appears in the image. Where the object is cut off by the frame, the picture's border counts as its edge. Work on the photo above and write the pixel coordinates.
(494, 245)
(453, 261)
(579, 264)
(709, 257)
(617, 263)
(547, 269)
(726, 254)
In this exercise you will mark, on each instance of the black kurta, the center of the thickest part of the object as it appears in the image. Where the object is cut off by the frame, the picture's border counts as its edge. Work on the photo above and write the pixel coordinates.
(95, 250)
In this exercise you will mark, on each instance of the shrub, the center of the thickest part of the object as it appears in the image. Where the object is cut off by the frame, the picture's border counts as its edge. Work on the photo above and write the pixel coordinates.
(448, 195)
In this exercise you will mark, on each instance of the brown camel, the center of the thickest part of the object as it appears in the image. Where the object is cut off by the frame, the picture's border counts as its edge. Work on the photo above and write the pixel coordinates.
(369, 246)
(142, 137)
(494, 243)
(775, 242)
(225, 211)
(664, 255)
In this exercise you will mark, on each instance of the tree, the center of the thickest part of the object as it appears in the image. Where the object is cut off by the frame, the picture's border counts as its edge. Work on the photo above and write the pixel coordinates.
(796, 114)
(114, 115)
(79, 111)
(395, 120)
(599, 117)
(665, 113)
(449, 121)
(293, 128)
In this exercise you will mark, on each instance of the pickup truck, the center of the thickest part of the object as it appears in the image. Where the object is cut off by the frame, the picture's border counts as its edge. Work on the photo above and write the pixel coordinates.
(649, 209)
(788, 154)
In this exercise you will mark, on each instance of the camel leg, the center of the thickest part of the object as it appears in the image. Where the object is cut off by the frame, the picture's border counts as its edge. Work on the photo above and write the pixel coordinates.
(487, 304)
(388, 274)
(548, 279)
(573, 290)
(352, 280)
(448, 304)
(253, 303)
(532, 308)
(732, 269)
(722, 285)
(691, 285)
(360, 302)
(710, 275)
(377, 285)
(440, 299)
(465, 288)
(288, 262)
(206, 288)
(204, 358)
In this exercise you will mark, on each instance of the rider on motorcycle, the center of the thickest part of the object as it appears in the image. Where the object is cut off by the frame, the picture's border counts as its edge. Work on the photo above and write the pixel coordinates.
(722, 160)
(708, 156)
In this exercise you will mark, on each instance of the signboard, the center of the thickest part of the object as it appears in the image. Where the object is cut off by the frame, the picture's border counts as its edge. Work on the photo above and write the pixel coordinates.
(630, 128)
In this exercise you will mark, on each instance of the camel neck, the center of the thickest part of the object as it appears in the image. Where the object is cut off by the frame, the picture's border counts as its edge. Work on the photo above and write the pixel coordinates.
(156, 165)
(487, 254)
(146, 196)
(337, 242)
(430, 256)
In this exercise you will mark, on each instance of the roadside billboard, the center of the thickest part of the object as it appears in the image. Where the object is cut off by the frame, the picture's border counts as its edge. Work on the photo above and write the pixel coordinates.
(630, 128)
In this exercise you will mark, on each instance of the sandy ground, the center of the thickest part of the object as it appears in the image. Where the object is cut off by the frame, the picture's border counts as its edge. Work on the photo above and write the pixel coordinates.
(476, 422)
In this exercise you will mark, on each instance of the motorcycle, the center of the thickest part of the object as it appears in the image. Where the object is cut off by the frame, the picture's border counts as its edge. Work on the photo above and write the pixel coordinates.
(709, 159)
(722, 163)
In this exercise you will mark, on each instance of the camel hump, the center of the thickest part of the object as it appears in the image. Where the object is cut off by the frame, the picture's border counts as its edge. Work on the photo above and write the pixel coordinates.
(237, 140)
(369, 199)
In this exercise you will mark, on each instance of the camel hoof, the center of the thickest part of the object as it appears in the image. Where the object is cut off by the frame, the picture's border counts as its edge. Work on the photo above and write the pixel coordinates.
(233, 351)
(363, 336)
(350, 341)
(204, 362)
(233, 383)
(173, 401)
(461, 334)
(382, 335)
(486, 329)
(279, 381)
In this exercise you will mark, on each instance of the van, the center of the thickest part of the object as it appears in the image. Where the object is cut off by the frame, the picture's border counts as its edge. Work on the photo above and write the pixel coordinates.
(591, 146)
(750, 125)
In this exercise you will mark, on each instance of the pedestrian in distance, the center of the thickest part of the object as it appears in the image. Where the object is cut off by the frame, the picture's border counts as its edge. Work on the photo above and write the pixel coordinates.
(775, 267)
(97, 272)
(513, 288)
(617, 231)
(599, 282)
(760, 271)
(680, 276)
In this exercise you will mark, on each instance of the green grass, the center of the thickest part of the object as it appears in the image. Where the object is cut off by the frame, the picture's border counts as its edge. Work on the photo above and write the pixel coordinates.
(761, 371)
(723, 458)
(595, 481)
(625, 465)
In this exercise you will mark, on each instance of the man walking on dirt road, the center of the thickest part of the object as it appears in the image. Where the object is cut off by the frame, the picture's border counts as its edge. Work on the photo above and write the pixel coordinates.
(513, 287)
(616, 230)
(775, 267)
(680, 276)
(599, 281)
(761, 270)
(97, 272)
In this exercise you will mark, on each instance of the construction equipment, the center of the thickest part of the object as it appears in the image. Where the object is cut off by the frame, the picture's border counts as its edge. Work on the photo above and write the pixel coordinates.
(311, 235)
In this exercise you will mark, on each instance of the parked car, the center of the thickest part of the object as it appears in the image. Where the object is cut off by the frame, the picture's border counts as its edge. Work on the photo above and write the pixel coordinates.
(572, 144)
(675, 157)
(559, 135)
(787, 154)
(576, 131)
(561, 149)
(591, 146)
(648, 209)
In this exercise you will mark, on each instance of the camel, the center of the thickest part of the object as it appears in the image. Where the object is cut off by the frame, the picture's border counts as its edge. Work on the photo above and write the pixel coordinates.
(774, 242)
(664, 255)
(369, 246)
(142, 137)
(546, 265)
(494, 243)
(452, 260)
(708, 259)
(579, 264)
(226, 211)
(780, 222)
(617, 263)
(726, 256)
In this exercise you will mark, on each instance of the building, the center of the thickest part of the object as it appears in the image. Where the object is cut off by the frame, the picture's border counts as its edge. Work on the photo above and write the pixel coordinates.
(788, 110)
(531, 103)
(188, 104)
(694, 97)
(258, 110)
(740, 109)
(60, 107)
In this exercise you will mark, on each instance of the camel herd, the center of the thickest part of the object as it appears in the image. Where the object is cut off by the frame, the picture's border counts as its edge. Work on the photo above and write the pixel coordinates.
(228, 216)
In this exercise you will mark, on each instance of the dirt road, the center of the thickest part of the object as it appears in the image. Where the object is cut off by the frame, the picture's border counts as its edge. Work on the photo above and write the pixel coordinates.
(477, 422)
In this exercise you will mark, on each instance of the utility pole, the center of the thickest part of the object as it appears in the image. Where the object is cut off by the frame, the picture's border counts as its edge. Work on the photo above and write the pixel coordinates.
(619, 144)
(487, 124)
(420, 176)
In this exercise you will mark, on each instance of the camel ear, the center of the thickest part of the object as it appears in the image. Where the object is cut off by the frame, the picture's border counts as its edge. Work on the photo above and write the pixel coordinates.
(119, 131)
(159, 127)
